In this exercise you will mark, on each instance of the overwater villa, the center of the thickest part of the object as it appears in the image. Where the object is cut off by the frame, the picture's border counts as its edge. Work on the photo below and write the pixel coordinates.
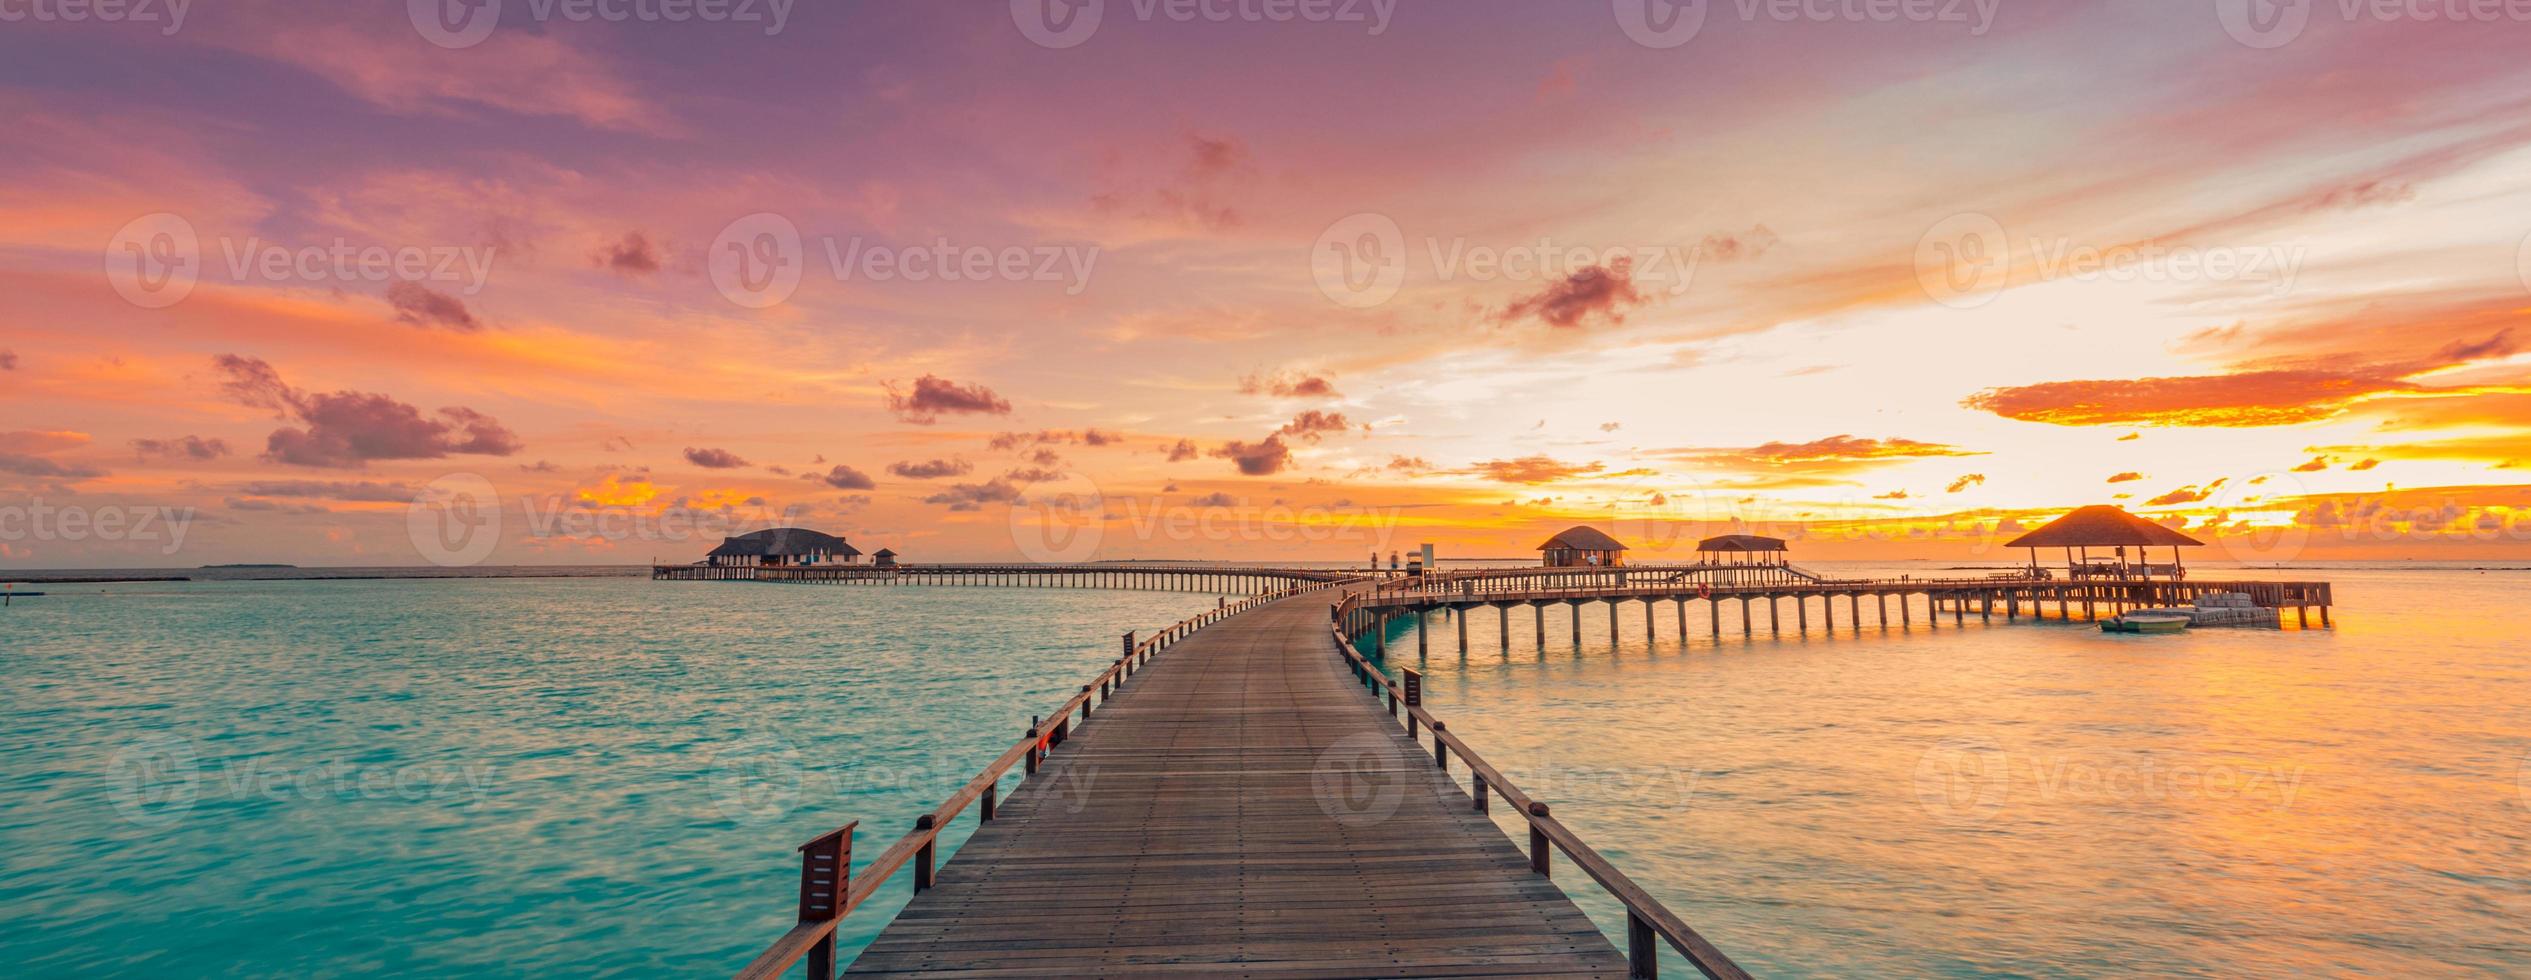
(781, 547)
(1583, 547)
(1743, 549)
(2104, 526)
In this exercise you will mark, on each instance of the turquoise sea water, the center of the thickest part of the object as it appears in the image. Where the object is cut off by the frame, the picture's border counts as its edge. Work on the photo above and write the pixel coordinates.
(2042, 800)
(607, 776)
(508, 777)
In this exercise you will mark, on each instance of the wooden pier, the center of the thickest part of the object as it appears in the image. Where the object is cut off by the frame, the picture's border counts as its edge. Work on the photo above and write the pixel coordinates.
(2010, 597)
(1249, 792)
(1246, 804)
(1225, 579)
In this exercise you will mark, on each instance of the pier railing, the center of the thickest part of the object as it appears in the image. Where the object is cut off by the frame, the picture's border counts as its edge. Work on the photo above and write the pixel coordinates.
(830, 890)
(1646, 917)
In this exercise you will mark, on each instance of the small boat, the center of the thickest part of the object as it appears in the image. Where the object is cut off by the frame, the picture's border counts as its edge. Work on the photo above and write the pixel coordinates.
(2146, 621)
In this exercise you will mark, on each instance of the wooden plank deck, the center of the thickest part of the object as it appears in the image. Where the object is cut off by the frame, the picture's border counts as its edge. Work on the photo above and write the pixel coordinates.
(1230, 815)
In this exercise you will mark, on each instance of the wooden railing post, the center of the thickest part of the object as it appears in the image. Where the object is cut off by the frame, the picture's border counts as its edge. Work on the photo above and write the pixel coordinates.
(992, 794)
(1036, 745)
(1643, 954)
(923, 857)
(1440, 749)
(1538, 856)
(1414, 697)
(825, 879)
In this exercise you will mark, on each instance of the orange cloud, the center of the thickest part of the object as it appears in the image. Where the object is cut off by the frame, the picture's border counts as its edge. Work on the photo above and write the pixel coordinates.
(2258, 398)
(1840, 452)
(615, 491)
(2506, 451)
(1534, 470)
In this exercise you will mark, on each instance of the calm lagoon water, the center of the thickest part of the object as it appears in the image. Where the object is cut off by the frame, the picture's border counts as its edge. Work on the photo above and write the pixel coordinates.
(508, 777)
(607, 776)
(2043, 800)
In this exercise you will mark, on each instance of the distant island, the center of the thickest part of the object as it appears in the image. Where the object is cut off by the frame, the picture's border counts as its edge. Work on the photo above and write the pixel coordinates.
(247, 565)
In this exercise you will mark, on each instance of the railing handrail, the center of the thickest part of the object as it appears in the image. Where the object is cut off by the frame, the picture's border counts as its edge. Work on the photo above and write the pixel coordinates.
(1314, 574)
(1645, 914)
(809, 936)
(1831, 586)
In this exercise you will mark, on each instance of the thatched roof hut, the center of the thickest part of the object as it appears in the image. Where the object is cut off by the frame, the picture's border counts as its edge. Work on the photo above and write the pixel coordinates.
(1580, 546)
(2103, 526)
(782, 546)
(1742, 549)
(1741, 542)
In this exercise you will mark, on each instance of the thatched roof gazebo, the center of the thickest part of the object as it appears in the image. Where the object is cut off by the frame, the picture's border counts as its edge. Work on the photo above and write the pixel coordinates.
(782, 546)
(1582, 546)
(1742, 549)
(2103, 526)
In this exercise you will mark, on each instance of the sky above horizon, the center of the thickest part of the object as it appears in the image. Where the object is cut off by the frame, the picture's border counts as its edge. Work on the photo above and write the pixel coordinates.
(562, 282)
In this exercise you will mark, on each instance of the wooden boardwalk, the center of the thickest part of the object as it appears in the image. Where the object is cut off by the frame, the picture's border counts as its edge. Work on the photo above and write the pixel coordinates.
(1241, 808)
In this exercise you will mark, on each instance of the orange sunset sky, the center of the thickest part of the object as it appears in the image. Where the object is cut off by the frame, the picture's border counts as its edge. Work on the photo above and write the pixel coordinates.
(972, 283)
